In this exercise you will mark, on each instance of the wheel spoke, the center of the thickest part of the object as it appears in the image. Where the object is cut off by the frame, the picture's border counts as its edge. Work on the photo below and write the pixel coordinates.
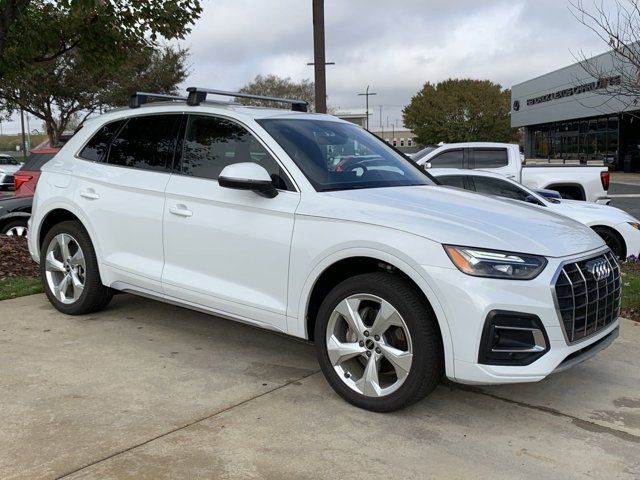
(400, 360)
(77, 259)
(63, 241)
(61, 288)
(387, 316)
(348, 308)
(78, 286)
(52, 264)
(340, 352)
(369, 384)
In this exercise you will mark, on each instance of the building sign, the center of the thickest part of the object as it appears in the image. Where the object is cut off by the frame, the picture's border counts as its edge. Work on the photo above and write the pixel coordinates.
(578, 89)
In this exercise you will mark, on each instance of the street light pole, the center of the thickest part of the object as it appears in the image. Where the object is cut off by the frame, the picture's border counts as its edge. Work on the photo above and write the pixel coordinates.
(366, 94)
(319, 61)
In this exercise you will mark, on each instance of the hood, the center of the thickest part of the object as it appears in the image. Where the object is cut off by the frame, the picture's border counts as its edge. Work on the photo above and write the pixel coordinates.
(9, 168)
(589, 211)
(457, 217)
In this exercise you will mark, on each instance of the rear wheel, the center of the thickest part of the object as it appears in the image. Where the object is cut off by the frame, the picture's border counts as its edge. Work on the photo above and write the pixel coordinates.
(16, 228)
(69, 270)
(377, 342)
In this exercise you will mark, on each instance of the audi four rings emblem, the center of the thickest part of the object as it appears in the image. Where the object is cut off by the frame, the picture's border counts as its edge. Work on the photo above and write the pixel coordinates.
(599, 268)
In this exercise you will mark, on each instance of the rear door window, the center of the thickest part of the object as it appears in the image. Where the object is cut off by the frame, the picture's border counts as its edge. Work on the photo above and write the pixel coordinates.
(490, 157)
(147, 142)
(448, 159)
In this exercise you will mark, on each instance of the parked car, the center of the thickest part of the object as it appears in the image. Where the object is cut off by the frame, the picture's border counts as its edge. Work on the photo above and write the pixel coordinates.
(619, 230)
(8, 166)
(14, 215)
(422, 153)
(237, 211)
(574, 182)
(26, 179)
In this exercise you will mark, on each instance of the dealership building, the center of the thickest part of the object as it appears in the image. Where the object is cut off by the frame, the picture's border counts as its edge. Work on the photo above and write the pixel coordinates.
(571, 117)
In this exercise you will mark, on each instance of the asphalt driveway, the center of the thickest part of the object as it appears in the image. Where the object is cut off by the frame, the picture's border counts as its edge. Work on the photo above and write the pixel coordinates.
(147, 390)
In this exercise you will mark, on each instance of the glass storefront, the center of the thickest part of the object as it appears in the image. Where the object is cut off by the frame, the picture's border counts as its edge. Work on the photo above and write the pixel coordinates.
(578, 140)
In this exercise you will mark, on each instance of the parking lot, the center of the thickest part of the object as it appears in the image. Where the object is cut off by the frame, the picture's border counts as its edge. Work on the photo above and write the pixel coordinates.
(146, 390)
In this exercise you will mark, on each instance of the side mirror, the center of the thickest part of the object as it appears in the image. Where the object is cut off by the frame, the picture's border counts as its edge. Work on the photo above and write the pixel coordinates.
(247, 176)
(427, 165)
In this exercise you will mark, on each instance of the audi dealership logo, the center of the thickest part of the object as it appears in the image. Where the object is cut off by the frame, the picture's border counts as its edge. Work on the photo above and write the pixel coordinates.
(599, 268)
(516, 105)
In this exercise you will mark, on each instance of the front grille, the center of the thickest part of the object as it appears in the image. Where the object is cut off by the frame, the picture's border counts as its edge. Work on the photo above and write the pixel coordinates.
(587, 305)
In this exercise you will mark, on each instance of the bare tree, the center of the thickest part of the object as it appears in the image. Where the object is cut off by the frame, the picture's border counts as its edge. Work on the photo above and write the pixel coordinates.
(274, 86)
(618, 25)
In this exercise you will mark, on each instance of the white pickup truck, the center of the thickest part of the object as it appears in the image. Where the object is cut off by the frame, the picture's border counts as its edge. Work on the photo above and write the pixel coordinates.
(577, 182)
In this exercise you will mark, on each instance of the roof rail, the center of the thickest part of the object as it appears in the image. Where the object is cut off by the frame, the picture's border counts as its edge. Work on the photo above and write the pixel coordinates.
(140, 98)
(198, 95)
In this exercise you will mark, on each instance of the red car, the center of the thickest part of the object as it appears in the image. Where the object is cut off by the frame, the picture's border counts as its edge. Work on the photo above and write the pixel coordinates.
(26, 178)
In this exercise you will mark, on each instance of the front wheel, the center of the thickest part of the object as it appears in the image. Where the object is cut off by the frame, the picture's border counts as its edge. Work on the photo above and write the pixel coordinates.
(613, 241)
(378, 343)
(69, 270)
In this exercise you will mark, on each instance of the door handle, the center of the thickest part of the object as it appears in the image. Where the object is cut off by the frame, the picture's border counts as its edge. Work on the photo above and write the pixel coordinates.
(181, 210)
(89, 193)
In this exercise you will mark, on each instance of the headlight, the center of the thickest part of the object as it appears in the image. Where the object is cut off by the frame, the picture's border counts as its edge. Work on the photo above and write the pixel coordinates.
(635, 225)
(491, 263)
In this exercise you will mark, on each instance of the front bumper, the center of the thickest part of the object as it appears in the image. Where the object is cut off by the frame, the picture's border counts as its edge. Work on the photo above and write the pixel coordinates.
(631, 238)
(467, 301)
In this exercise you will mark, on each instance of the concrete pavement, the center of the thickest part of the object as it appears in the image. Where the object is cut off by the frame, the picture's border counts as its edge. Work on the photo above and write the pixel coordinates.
(146, 390)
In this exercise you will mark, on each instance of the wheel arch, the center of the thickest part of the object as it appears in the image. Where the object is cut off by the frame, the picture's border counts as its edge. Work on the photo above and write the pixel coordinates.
(616, 233)
(568, 187)
(348, 263)
(60, 213)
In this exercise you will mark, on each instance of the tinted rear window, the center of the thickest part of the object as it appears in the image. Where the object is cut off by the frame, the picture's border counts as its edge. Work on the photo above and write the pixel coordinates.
(147, 142)
(35, 161)
(96, 149)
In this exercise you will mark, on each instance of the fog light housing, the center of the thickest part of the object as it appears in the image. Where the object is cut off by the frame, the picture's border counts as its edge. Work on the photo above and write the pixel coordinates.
(512, 338)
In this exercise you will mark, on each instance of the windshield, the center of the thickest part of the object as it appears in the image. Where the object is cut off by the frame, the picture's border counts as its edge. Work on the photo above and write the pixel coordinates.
(6, 160)
(342, 156)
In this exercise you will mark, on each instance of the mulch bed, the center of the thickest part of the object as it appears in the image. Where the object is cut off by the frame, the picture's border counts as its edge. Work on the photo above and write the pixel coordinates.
(15, 260)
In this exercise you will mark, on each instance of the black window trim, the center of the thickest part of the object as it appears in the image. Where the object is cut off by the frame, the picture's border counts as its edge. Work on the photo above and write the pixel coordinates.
(178, 161)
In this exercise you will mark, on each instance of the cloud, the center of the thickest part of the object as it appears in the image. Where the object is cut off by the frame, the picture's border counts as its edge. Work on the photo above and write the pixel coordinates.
(393, 46)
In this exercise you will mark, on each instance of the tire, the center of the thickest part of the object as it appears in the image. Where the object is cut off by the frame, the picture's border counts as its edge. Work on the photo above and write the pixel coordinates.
(345, 356)
(16, 228)
(55, 267)
(613, 240)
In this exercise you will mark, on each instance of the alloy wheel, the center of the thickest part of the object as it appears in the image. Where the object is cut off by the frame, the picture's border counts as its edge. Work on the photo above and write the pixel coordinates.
(369, 345)
(65, 268)
(17, 231)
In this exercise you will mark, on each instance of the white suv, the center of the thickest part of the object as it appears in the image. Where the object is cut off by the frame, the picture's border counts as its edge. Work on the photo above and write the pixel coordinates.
(309, 225)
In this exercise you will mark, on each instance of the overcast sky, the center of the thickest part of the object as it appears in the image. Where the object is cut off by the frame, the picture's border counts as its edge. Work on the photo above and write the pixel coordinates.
(393, 46)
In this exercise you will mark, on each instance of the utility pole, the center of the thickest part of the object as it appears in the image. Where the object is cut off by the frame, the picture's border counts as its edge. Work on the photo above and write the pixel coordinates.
(24, 142)
(319, 56)
(366, 94)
